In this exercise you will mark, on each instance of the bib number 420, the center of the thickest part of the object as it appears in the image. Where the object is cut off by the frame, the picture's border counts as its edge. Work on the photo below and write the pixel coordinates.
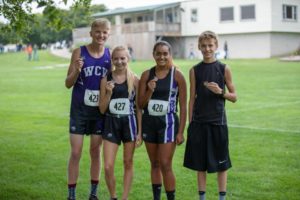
(157, 107)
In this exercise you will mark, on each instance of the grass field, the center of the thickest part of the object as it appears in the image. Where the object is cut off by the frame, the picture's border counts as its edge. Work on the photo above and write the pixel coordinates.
(34, 140)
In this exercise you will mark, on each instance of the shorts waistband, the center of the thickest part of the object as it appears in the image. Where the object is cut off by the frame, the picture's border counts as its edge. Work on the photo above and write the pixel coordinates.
(117, 115)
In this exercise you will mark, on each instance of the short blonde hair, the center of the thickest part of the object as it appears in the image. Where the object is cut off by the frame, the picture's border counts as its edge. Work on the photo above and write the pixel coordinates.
(101, 22)
(208, 35)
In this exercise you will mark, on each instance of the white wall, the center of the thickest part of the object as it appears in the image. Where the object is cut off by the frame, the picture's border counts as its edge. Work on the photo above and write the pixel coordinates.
(278, 24)
(284, 43)
(209, 17)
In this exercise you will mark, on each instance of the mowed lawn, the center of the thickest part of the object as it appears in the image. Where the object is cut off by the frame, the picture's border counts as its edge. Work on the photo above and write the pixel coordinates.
(34, 140)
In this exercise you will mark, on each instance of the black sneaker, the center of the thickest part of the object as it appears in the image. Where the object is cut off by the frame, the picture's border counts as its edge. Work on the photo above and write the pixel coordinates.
(93, 197)
(70, 198)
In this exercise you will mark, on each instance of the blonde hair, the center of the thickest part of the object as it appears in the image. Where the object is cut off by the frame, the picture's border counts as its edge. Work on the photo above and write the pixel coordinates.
(208, 35)
(129, 73)
(101, 22)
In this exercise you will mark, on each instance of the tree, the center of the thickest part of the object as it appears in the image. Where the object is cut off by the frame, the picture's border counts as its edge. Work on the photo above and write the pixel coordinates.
(18, 13)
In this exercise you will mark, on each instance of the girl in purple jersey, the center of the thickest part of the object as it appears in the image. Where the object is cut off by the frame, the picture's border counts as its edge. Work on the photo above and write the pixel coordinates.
(89, 64)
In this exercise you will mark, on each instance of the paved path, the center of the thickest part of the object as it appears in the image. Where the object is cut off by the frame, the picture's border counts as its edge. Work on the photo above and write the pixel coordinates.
(291, 58)
(65, 53)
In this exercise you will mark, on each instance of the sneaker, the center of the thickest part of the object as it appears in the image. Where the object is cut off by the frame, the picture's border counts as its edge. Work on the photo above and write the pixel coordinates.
(69, 198)
(93, 197)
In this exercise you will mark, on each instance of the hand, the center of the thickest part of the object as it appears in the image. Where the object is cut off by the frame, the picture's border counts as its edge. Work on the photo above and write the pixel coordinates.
(110, 86)
(79, 64)
(139, 140)
(179, 139)
(152, 84)
(214, 87)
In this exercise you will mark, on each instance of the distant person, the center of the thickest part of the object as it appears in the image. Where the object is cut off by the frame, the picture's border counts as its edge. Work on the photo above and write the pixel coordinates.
(1, 48)
(29, 52)
(207, 141)
(131, 53)
(160, 89)
(226, 50)
(122, 121)
(35, 52)
(89, 64)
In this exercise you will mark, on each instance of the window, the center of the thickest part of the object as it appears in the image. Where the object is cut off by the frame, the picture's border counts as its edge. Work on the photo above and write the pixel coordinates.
(127, 20)
(248, 12)
(289, 12)
(140, 18)
(226, 14)
(194, 15)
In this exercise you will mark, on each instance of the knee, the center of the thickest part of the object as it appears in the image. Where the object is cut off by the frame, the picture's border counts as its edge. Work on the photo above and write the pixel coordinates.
(166, 166)
(155, 165)
(128, 163)
(95, 152)
(108, 169)
(75, 155)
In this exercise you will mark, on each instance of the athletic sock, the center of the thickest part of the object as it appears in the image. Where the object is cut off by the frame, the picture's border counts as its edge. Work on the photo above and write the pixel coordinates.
(94, 186)
(72, 191)
(222, 195)
(156, 189)
(202, 195)
(171, 195)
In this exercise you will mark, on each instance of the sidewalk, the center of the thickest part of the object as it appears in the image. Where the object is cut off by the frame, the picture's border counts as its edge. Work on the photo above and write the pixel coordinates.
(65, 53)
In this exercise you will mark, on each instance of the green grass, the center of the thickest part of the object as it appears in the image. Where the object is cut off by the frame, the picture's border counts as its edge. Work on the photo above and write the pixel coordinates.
(34, 140)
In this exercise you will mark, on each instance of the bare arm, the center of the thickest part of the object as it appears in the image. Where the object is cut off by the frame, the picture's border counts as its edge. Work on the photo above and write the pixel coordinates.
(192, 94)
(214, 87)
(139, 139)
(182, 105)
(145, 89)
(231, 94)
(74, 68)
(105, 94)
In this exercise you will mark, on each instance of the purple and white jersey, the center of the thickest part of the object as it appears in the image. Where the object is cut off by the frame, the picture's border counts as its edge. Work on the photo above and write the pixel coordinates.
(85, 95)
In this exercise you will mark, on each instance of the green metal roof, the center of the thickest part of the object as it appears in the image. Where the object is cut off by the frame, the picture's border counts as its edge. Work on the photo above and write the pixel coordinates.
(134, 10)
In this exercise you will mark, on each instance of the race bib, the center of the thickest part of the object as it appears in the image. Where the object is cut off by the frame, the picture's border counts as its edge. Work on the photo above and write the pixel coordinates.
(158, 107)
(119, 106)
(91, 97)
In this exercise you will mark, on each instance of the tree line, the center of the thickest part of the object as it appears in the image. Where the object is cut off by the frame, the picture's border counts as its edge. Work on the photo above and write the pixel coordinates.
(54, 24)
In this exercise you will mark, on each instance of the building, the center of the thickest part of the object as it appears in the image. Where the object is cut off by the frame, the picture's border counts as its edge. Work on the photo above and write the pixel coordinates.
(251, 28)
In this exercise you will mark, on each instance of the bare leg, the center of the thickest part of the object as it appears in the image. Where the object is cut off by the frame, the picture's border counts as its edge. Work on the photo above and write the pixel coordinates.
(128, 168)
(222, 181)
(165, 159)
(76, 142)
(152, 150)
(95, 146)
(201, 181)
(110, 151)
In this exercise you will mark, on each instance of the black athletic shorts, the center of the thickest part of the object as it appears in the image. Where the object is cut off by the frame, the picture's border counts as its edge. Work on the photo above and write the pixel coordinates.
(86, 126)
(160, 129)
(207, 148)
(117, 129)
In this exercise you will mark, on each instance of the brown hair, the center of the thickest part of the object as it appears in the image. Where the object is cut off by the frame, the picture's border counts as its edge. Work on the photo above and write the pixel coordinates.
(164, 43)
(208, 35)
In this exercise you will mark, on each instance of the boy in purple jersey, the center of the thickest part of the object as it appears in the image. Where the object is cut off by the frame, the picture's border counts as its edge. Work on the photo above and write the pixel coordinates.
(207, 139)
(89, 64)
